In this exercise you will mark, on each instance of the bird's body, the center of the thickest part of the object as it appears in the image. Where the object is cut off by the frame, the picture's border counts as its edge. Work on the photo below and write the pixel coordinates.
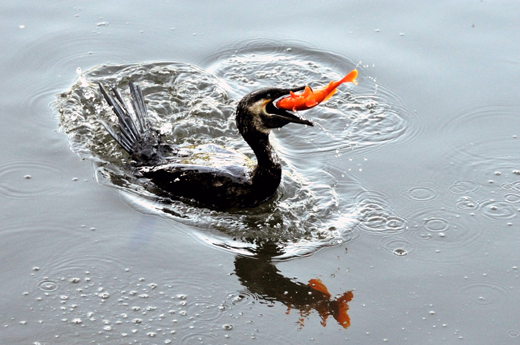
(210, 175)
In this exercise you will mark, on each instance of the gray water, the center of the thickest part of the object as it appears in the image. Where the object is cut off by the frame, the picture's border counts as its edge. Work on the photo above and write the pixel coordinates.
(403, 200)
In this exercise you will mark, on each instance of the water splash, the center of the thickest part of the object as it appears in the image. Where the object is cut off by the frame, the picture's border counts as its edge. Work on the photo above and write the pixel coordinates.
(191, 106)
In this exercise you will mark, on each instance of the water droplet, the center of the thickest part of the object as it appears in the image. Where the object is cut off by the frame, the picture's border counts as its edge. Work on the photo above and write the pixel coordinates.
(400, 252)
(227, 327)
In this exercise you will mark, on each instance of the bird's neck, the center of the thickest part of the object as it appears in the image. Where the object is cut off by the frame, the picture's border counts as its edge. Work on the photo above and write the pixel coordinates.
(268, 173)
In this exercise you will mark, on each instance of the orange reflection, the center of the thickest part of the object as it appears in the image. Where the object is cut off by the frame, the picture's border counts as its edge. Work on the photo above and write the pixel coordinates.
(336, 307)
(261, 277)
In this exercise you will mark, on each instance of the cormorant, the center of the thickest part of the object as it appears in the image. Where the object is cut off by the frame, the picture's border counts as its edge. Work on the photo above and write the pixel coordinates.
(208, 174)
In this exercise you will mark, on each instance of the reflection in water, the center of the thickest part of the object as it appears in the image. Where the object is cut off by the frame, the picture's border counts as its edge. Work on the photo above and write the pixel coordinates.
(261, 277)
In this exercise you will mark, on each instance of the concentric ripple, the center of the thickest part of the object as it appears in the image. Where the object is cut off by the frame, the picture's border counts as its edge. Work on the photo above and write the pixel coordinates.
(356, 117)
(23, 179)
(446, 232)
(422, 191)
(397, 245)
(498, 209)
(375, 215)
(191, 106)
(485, 132)
(485, 295)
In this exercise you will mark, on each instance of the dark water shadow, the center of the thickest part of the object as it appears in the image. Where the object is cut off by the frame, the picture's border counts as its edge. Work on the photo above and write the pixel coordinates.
(261, 278)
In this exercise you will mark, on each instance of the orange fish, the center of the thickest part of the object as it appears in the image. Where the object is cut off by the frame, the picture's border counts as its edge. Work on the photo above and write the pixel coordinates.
(309, 99)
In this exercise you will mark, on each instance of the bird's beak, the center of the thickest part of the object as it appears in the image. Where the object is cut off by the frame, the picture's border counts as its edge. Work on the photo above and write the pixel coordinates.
(284, 114)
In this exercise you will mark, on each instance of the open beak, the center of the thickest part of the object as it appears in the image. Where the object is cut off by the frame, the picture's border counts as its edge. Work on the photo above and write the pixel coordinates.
(283, 114)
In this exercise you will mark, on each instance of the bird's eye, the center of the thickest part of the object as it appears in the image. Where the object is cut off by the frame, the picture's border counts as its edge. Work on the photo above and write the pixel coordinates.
(268, 95)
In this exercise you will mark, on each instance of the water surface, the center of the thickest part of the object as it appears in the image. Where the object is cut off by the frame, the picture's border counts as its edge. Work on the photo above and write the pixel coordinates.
(399, 210)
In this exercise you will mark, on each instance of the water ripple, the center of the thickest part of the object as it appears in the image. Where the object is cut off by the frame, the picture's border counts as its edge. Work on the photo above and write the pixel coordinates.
(512, 198)
(467, 203)
(200, 337)
(446, 232)
(463, 186)
(498, 209)
(397, 245)
(34, 179)
(358, 117)
(485, 295)
(422, 191)
(375, 215)
(313, 207)
(485, 132)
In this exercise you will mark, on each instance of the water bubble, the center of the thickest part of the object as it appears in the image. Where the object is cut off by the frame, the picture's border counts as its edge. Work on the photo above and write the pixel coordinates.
(47, 285)
(498, 209)
(227, 327)
(400, 252)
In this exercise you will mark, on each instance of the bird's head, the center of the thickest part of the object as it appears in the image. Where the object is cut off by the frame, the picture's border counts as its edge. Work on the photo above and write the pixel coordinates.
(257, 111)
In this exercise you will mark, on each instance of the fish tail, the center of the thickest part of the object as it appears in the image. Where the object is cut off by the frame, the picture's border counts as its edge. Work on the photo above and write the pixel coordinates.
(317, 285)
(350, 77)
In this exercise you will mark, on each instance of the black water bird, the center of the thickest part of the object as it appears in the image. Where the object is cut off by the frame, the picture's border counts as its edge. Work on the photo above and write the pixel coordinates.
(207, 174)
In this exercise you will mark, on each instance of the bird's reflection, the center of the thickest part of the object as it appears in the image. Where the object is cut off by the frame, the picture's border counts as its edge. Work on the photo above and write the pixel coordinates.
(261, 277)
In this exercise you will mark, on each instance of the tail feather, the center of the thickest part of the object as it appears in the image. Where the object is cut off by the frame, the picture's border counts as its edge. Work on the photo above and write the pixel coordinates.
(123, 142)
(126, 115)
(129, 133)
(139, 106)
